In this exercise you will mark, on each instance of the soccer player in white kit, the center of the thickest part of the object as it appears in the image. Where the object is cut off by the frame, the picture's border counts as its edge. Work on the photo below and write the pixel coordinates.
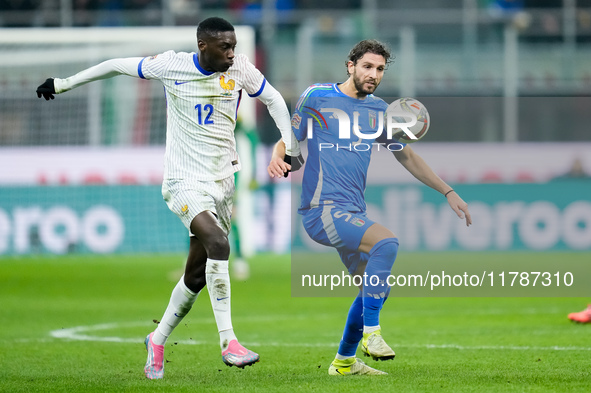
(203, 91)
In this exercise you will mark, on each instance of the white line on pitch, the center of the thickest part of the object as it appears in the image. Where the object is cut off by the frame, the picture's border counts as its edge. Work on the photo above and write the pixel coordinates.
(78, 333)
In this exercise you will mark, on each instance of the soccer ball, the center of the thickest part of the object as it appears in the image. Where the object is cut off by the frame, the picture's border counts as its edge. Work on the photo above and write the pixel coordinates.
(402, 111)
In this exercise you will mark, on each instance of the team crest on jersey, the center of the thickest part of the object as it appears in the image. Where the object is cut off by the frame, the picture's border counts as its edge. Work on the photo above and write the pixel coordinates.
(296, 120)
(372, 119)
(152, 57)
(228, 85)
(185, 209)
(358, 222)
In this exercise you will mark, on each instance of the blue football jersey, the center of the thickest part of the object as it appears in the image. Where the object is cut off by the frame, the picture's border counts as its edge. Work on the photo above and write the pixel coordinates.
(337, 162)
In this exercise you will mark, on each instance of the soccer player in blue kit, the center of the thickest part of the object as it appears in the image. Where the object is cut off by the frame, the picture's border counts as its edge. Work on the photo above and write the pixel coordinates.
(332, 203)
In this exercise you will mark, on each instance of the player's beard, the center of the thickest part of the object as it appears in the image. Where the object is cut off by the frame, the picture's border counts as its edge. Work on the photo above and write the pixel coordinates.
(360, 85)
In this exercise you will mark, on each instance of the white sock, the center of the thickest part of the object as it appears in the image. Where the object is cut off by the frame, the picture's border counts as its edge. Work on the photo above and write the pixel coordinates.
(218, 286)
(181, 301)
(225, 337)
(341, 357)
(370, 329)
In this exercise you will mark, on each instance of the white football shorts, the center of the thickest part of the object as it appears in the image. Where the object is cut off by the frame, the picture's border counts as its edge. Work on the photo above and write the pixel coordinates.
(187, 199)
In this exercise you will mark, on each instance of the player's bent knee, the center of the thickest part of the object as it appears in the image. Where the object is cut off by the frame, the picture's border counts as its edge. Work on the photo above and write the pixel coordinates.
(381, 258)
(217, 247)
(387, 248)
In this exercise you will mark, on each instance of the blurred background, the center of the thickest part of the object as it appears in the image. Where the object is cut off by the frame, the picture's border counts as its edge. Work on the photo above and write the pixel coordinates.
(507, 85)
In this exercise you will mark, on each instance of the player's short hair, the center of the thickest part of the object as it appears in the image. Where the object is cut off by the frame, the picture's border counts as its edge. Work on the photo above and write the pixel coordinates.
(212, 26)
(369, 46)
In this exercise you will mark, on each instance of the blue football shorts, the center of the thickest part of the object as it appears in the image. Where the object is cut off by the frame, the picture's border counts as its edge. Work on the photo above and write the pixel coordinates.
(336, 227)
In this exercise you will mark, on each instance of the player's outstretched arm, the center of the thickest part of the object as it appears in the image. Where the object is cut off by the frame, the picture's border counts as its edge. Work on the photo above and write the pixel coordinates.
(423, 172)
(104, 70)
(280, 114)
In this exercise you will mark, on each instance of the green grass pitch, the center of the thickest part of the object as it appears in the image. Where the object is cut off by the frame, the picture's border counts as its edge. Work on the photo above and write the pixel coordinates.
(77, 324)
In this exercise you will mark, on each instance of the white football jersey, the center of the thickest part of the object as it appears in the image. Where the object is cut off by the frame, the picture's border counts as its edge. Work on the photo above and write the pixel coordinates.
(201, 107)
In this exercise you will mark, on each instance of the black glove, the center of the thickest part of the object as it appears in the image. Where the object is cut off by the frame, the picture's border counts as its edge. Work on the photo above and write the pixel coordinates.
(295, 162)
(47, 89)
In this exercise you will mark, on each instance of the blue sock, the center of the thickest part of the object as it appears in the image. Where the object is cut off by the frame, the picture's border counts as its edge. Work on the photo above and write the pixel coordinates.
(379, 267)
(353, 329)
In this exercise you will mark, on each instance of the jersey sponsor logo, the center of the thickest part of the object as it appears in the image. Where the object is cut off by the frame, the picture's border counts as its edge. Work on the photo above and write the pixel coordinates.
(227, 86)
(180, 83)
(296, 120)
(152, 57)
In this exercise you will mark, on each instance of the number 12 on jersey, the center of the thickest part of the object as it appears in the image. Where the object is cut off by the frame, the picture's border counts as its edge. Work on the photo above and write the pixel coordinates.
(208, 111)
